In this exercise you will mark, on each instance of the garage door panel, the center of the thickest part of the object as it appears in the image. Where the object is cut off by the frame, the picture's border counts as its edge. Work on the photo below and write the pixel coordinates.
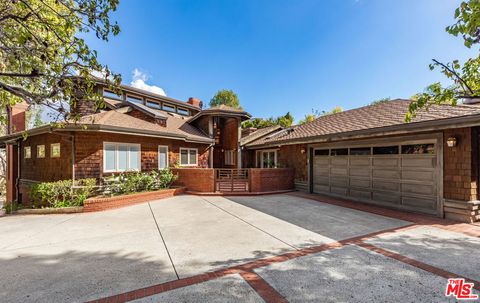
(321, 188)
(424, 202)
(338, 190)
(321, 171)
(360, 171)
(416, 175)
(418, 162)
(385, 162)
(360, 161)
(392, 198)
(321, 161)
(423, 189)
(322, 180)
(365, 183)
(382, 185)
(341, 161)
(339, 181)
(339, 171)
(361, 194)
(386, 173)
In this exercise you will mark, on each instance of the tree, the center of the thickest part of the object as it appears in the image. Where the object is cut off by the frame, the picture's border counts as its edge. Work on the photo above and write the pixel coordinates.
(335, 110)
(284, 121)
(225, 97)
(465, 78)
(34, 117)
(380, 101)
(43, 57)
(316, 113)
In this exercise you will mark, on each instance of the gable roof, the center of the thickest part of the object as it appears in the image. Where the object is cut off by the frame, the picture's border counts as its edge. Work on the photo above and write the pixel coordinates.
(372, 118)
(259, 133)
(222, 110)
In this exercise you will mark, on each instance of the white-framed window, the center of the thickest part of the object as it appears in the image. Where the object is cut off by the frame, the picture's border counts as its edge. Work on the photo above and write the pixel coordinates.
(118, 157)
(135, 99)
(268, 158)
(27, 152)
(168, 107)
(230, 157)
(162, 156)
(55, 150)
(40, 151)
(188, 156)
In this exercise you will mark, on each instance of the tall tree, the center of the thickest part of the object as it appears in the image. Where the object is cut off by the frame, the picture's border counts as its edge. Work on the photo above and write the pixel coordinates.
(225, 97)
(284, 121)
(43, 57)
(465, 78)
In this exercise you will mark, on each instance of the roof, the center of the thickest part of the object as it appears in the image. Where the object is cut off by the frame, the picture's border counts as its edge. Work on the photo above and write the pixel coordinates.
(222, 110)
(176, 127)
(259, 133)
(375, 117)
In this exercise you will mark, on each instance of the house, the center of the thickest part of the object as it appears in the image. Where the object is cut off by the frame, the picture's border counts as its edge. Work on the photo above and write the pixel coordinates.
(369, 154)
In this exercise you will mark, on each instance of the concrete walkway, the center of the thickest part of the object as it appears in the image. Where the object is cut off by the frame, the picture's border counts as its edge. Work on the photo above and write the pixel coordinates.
(218, 249)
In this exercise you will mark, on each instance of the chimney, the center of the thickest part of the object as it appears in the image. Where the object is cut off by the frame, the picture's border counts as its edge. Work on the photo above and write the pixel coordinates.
(17, 117)
(195, 102)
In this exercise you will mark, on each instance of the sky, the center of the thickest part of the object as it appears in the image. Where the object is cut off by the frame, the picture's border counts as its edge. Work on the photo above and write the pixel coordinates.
(279, 56)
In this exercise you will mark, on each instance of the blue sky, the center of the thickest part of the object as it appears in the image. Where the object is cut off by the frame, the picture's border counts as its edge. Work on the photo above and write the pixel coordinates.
(281, 56)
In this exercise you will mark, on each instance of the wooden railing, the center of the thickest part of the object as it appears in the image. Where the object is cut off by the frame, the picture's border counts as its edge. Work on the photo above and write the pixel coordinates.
(232, 180)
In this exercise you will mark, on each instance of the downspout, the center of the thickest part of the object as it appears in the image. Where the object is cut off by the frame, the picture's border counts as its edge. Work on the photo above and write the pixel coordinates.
(73, 159)
(17, 182)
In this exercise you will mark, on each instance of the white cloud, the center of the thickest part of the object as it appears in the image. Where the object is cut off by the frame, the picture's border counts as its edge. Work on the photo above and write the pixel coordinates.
(138, 81)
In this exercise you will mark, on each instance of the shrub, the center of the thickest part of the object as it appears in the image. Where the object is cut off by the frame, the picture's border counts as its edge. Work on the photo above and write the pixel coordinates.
(131, 182)
(62, 193)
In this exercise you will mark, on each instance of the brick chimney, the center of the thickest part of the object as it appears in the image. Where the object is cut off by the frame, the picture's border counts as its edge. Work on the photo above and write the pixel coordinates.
(195, 102)
(17, 118)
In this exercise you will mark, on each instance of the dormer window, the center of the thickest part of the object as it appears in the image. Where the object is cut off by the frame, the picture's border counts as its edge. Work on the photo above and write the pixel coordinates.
(153, 104)
(182, 111)
(134, 99)
(168, 107)
(111, 95)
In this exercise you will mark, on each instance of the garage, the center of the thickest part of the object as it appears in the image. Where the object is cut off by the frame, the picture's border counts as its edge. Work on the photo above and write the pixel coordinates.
(403, 174)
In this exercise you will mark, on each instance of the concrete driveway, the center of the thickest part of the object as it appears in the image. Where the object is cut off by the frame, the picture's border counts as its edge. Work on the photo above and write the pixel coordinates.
(274, 248)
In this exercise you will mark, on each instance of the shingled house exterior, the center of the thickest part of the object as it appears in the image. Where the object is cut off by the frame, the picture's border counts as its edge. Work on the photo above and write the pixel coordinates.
(369, 154)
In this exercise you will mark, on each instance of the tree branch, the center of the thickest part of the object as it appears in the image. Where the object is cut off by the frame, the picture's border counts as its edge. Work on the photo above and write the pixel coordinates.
(451, 70)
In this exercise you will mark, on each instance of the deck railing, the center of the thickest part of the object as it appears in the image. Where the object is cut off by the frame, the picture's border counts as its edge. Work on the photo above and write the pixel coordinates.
(232, 180)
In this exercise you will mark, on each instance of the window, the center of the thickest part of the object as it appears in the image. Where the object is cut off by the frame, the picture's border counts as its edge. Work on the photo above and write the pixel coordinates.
(168, 107)
(40, 151)
(55, 150)
(154, 104)
(385, 150)
(121, 157)
(188, 156)
(229, 157)
(134, 99)
(418, 149)
(111, 95)
(182, 111)
(339, 152)
(321, 152)
(162, 157)
(360, 151)
(27, 152)
(269, 158)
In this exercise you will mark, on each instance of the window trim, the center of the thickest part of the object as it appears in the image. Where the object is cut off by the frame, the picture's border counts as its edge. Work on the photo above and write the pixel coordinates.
(44, 151)
(136, 98)
(116, 170)
(186, 113)
(188, 149)
(59, 150)
(119, 97)
(168, 157)
(25, 152)
(174, 108)
(266, 151)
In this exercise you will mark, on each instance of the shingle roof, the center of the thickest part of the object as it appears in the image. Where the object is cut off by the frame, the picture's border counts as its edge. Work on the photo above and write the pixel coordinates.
(259, 134)
(176, 127)
(380, 115)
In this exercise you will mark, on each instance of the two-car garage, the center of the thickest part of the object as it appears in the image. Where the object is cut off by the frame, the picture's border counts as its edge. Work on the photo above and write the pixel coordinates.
(401, 173)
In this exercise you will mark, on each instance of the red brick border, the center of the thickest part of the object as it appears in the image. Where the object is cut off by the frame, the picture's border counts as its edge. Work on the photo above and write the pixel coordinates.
(263, 289)
(99, 204)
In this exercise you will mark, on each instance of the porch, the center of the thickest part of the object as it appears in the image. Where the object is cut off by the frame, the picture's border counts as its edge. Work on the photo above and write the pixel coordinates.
(235, 181)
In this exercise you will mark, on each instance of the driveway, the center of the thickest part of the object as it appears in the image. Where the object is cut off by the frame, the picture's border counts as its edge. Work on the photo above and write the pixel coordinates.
(274, 248)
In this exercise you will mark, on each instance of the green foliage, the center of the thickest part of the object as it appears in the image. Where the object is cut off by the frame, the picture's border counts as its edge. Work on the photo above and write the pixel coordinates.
(335, 110)
(380, 101)
(284, 121)
(225, 97)
(34, 117)
(132, 182)
(61, 193)
(465, 78)
(44, 58)
(315, 114)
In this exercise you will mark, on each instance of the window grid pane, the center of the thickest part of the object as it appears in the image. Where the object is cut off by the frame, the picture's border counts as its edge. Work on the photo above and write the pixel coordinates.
(134, 158)
(162, 157)
(110, 157)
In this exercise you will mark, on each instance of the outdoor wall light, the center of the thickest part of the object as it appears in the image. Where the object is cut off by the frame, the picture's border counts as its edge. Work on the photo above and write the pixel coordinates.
(452, 141)
(302, 150)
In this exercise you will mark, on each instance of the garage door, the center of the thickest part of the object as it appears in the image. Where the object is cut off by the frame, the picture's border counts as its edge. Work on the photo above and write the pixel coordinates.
(402, 175)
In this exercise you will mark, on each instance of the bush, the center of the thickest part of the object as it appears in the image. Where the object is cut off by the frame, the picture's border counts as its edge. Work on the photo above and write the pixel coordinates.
(61, 193)
(132, 182)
